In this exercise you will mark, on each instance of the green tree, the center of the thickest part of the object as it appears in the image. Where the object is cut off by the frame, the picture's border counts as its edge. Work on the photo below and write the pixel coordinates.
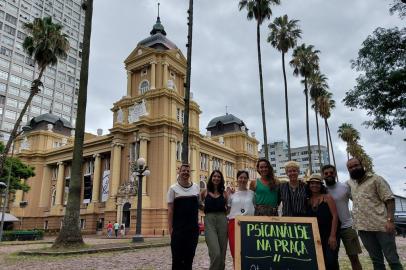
(45, 43)
(318, 88)
(283, 36)
(380, 89)
(305, 62)
(70, 234)
(185, 143)
(260, 10)
(398, 6)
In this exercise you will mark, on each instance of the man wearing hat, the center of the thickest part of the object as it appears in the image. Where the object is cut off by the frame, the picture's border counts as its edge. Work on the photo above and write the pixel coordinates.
(341, 194)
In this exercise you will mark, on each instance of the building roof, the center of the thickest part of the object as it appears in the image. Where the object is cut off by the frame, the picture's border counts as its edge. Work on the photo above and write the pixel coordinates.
(50, 118)
(158, 39)
(228, 118)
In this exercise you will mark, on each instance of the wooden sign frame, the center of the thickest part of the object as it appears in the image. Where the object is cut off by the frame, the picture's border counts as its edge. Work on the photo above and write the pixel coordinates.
(276, 219)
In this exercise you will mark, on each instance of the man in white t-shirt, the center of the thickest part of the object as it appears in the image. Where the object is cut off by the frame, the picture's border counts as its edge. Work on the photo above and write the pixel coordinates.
(341, 194)
(183, 210)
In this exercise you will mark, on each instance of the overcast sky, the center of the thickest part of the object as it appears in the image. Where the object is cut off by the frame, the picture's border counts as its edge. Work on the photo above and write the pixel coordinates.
(224, 65)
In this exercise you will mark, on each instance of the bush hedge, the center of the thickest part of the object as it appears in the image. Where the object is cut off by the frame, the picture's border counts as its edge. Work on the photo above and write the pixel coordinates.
(23, 235)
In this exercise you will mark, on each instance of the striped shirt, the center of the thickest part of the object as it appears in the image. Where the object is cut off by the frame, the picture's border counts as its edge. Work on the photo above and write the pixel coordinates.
(293, 201)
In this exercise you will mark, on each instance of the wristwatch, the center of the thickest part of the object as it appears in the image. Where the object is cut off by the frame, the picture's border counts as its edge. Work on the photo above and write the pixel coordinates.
(390, 219)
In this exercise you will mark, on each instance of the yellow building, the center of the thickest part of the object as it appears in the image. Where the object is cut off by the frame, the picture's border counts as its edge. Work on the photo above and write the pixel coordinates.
(147, 122)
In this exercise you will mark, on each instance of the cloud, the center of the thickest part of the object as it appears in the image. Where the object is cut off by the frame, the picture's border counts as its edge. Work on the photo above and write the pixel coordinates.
(224, 65)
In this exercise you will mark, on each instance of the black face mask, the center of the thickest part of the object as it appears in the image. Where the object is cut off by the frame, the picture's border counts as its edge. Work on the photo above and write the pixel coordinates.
(330, 180)
(357, 174)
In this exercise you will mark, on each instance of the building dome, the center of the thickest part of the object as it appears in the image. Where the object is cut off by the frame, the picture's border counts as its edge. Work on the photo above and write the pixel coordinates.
(51, 119)
(225, 124)
(224, 120)
(158, 39)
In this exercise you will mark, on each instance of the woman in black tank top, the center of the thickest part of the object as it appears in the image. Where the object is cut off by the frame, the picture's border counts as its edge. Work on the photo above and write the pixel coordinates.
(322, 206)
(215, 220)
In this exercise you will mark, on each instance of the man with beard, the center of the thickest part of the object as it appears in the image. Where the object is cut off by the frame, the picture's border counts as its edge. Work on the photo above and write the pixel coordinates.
(341, 194)
(373, 211)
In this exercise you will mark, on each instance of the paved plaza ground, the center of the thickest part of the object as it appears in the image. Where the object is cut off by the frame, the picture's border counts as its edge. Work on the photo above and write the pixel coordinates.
(145, 259)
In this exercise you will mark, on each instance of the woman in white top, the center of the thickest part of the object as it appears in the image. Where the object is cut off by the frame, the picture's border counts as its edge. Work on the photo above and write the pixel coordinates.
(240, 203)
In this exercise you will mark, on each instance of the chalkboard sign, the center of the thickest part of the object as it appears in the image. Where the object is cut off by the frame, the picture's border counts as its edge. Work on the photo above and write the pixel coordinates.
(277, 243)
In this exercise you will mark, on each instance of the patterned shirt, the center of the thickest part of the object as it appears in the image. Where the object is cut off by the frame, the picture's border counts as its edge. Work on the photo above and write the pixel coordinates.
(369, 196)
(293, 200)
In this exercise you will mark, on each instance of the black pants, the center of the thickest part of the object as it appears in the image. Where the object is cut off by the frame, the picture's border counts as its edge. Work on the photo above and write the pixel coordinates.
(183, 247)
(116, 232)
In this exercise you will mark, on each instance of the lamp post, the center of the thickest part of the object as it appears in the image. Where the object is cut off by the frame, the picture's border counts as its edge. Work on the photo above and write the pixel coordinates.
(7, 188)
(140, 170)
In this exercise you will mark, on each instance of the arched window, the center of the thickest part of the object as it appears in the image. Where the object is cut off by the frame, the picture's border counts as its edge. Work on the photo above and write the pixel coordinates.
(144, 86)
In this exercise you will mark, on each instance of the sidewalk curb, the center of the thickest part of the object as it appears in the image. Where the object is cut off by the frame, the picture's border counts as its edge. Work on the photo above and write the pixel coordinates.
(91, 250)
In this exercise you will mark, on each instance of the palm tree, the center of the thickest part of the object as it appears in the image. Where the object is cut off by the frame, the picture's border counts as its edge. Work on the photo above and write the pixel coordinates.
(318, 87)
(283, 36)
(185, 143)
(260, 10)
(46, 44)
(70, 234)
(326, 104)
(349, 135)
(305, 61)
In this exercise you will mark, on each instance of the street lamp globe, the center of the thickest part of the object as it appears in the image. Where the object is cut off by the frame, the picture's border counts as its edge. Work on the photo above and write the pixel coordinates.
(146, 173)
(141, 162)
(3, 185)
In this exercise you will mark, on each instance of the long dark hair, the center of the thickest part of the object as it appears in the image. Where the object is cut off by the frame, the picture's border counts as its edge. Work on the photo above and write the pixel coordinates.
(323, 189)
(220, 187)
(271, 175)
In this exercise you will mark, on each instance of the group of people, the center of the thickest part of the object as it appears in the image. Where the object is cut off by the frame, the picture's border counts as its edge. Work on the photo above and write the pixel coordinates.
(321, 196)
(117, 228)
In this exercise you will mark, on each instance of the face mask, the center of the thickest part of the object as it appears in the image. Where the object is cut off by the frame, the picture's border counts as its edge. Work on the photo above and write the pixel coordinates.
(330, 180)
(357, 174)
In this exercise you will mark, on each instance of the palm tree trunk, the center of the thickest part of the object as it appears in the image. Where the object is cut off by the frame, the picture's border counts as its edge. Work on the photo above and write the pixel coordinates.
(70, 234)
(286, 106)
(309, 152)
(327, 143)
(331, 146)
(185, 143)
(318, 133)
(34, 90)
(261, 90)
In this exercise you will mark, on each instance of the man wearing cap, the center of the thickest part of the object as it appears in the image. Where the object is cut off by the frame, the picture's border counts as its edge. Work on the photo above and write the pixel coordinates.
(341, 194)
(373, 211)
(293, 193)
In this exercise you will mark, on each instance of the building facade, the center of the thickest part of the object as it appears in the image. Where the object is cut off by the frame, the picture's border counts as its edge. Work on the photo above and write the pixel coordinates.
(148, 123)
(17, 70)
(278, 156)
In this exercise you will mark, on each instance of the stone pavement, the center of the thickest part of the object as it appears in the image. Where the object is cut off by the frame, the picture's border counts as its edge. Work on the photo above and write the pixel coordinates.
(144, 259)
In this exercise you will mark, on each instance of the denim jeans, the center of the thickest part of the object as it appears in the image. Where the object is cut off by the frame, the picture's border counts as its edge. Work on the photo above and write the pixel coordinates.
(379, 244)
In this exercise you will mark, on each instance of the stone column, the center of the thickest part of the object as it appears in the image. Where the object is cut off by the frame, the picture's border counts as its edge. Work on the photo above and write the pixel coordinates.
(129, 83)
(193, 163)
(144, 154)
(153, 63)
(45, 187)
(116, 169)
(210, 164)
(165, 77)
(172, 165)
(60, 183)
(96, 178)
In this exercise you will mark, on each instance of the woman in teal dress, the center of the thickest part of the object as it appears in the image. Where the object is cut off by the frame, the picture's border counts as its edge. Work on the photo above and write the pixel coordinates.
(266, 190)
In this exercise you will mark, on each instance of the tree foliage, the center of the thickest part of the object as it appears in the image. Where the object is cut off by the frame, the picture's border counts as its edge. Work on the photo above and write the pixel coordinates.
(380, 89)
(398, 6)
(19, 170)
